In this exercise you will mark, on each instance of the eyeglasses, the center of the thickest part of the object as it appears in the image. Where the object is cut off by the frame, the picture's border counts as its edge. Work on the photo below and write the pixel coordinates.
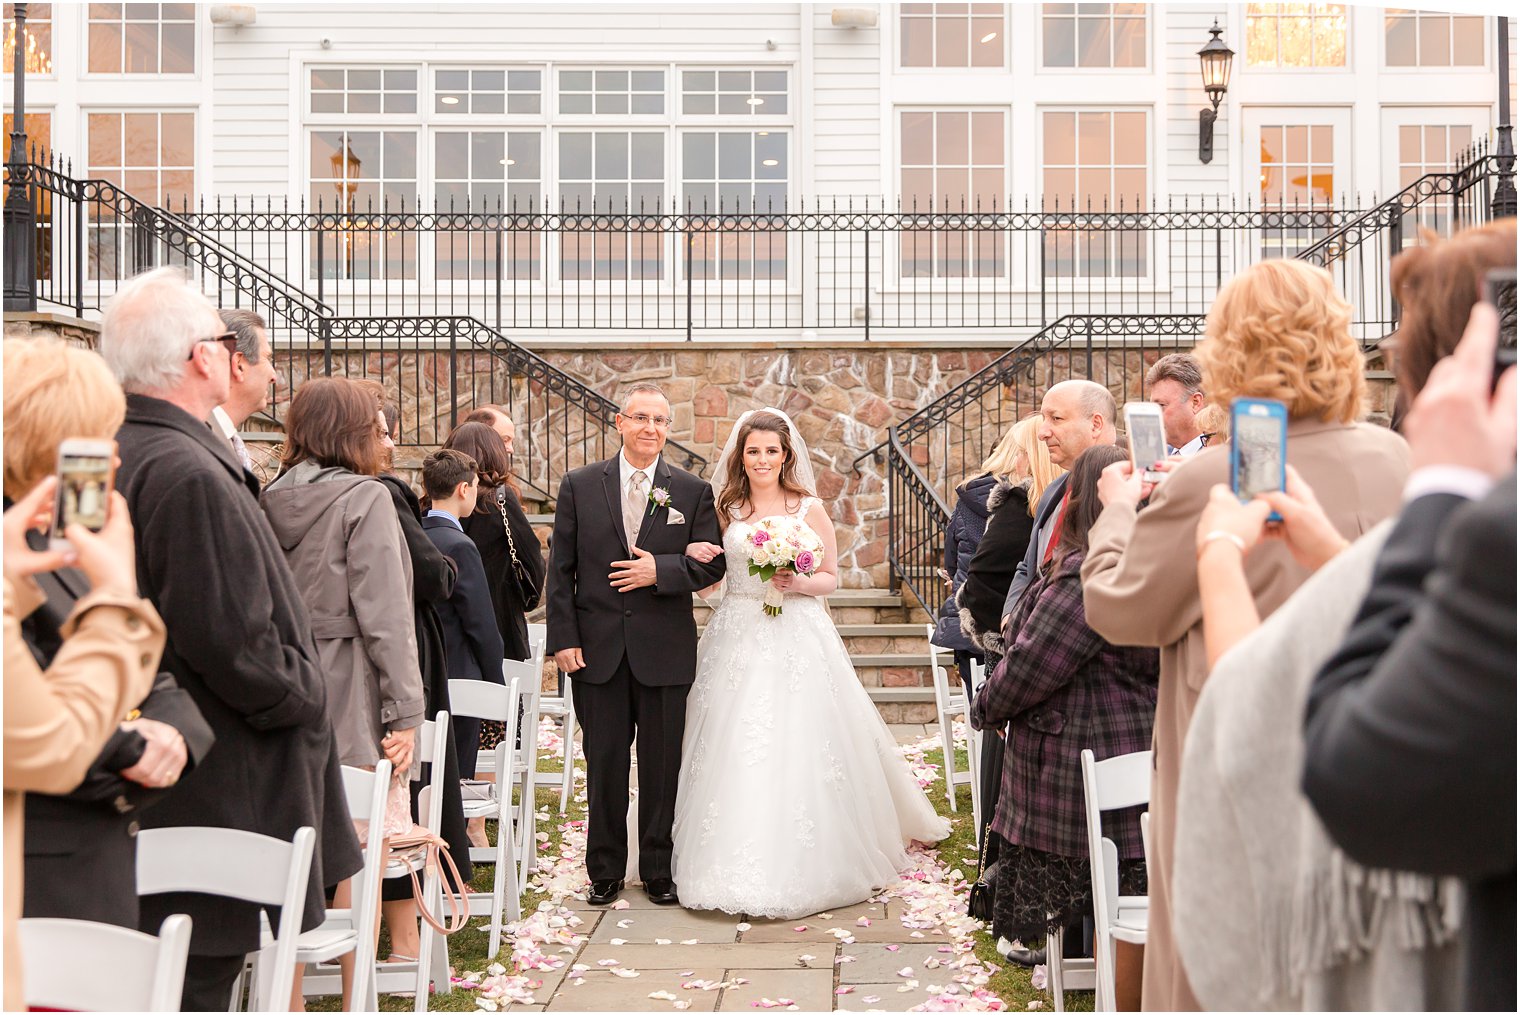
(227, 337)
(644, 419)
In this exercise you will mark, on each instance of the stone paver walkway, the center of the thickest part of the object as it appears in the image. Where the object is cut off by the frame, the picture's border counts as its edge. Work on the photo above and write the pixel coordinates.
(907, 947)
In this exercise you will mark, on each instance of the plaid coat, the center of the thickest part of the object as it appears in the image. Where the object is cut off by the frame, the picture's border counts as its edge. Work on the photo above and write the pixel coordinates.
(1062, 689)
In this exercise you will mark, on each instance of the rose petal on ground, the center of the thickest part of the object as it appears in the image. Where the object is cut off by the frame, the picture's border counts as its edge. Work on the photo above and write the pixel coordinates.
(618, 941)
(864, 921)
(624, 924)
(870, 999)
(626, 974)
(662, 995)
(743, 927)
(607, 962)
(620, 904)
(905, 971)
(689, 941)
(662, 940)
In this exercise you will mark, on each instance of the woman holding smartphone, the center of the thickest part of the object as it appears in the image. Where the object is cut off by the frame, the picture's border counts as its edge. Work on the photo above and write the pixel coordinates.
(1277, 330)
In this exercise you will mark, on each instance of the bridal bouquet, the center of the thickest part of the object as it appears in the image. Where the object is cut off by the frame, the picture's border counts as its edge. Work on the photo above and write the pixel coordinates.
(778, 543)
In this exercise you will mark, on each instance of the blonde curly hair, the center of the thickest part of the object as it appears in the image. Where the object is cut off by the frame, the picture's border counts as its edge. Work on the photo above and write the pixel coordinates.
(1280, 330)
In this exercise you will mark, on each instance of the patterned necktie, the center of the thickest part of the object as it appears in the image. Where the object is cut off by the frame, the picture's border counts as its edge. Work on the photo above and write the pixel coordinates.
(242, 451)
(633, 506)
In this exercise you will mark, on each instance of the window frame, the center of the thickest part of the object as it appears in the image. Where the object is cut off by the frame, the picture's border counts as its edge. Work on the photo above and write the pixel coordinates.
(83, 21)
(1277, 69)
(1420, 68)
(898, 67)
(1150, 19)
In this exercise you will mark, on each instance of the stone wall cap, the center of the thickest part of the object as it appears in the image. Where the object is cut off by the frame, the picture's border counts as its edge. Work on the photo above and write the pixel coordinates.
(48, 317)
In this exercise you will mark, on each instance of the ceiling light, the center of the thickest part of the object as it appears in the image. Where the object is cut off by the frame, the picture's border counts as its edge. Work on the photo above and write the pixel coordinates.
(450, 100)
(755, 101)
(989, 37)
(509, 162)
(770, 162)
(764, 133)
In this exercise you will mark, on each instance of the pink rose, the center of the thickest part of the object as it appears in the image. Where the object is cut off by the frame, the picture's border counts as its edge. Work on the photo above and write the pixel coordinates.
(805, 562)
(761, 537)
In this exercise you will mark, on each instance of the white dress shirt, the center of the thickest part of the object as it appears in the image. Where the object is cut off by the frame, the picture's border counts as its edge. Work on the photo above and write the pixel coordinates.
(626, 471)
(1191, 448)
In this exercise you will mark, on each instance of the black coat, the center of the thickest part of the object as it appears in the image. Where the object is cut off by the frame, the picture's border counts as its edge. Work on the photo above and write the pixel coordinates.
(470, 637)
(432, 583)
(1409, 735)
(484, 527)
(654, 626)
(990, 571)
(967, 523)
(81, 847)
(240, 644)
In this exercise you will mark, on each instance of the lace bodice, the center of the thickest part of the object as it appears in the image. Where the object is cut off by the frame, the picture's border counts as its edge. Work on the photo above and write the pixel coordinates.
(738, 581)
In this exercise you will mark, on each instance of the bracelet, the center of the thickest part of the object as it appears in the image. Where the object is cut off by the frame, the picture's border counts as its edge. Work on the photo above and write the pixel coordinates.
(1219, 535)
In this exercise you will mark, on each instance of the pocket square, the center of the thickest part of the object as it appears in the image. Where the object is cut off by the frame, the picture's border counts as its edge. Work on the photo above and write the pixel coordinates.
(674, 517)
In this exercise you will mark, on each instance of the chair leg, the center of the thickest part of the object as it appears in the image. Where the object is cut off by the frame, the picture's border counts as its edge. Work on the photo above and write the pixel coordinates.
(974, 762)
(1103, 965)
(527, 854)
(947, 743)
(501, 902)
(567, 776)
(425, 948)
(1055, 948)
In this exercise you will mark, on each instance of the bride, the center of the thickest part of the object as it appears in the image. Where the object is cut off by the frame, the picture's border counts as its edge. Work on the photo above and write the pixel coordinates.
(793, 797)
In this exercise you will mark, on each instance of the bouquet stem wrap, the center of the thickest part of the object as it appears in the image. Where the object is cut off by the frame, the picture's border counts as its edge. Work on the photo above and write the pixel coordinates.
(773, 601)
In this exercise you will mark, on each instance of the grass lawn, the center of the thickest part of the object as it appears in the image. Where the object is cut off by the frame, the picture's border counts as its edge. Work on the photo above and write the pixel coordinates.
(467, 949)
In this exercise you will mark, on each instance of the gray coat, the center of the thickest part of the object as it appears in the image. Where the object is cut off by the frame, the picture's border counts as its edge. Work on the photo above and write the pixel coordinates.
(345, 546)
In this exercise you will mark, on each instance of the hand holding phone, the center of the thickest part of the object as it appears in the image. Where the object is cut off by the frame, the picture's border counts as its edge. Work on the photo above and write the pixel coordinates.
(86, 475)
(1499, 293)
(1147, 439)
(1258, 448)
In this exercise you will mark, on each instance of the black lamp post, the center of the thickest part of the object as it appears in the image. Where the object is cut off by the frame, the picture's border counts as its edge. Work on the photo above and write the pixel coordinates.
(1503, 203)
(20, 232)
(1214, 60)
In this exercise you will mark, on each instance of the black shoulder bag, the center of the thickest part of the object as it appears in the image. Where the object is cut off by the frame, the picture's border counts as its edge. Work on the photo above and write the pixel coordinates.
(525, 589)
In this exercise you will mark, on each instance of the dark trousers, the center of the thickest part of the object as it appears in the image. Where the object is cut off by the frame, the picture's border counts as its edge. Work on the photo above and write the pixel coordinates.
(610, 715)
(208, 981)
(466, 745)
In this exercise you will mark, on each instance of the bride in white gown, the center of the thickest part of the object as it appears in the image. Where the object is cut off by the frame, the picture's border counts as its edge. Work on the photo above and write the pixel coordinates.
(793, 797)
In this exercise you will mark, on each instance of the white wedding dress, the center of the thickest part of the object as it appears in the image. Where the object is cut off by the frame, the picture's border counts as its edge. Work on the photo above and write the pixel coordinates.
(793, 796)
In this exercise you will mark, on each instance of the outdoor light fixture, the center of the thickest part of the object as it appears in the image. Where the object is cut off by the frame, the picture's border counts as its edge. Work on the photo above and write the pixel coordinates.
(1214, 60)
(345, 167)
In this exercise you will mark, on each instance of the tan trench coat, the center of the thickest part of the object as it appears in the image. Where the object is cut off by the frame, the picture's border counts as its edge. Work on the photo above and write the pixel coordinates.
(1140, 587)
(56, 722)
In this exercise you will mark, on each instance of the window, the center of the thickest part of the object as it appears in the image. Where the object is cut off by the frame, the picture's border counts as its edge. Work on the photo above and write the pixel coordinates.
(1425, 149)
(39, 138)
(142, 38)
(1429, 39)
(39, 133)
(735, 171)
(733, 93)
(612, 92)
(151, 156)
(357, 171)
(611, 172)
(952, 35)
(39, 38)
(487, 171)
(952, 161)
(1094, 35)
(479, 91)
(1297, 165)
(363, 90)
(1095, 161)
(1296, 35)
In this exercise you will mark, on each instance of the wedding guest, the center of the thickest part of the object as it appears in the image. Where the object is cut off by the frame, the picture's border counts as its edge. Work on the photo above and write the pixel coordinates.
(253, 377)
(1214, 421)
(499, 419)
(1062, 688)
(239, 637)
(1410, 729)
(432, 582)
(1277, 330)
(1021, 461)
(967, 524)
(81, 846)
(57, 718)
(1175, 382)
(471, 638)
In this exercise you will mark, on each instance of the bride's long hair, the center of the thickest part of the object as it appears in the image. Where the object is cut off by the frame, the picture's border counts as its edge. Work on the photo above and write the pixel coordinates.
(736, 483)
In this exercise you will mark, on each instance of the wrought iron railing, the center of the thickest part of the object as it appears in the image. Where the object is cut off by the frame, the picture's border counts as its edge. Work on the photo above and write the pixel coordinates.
(91, 236)
(928, 453)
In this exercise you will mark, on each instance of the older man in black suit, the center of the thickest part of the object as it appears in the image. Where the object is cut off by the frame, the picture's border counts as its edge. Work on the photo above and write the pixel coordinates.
(240, 640)
(621, 625)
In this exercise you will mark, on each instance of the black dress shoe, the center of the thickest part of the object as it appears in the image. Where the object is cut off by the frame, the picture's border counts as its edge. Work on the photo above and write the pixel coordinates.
(604, 892)
(662, 891)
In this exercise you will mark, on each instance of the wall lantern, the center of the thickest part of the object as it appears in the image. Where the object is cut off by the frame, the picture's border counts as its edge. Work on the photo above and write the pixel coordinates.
(1214, 60)
(345, 168)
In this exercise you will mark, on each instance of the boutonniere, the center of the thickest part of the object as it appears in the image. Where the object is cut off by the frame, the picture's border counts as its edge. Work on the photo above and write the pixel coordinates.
(659, 497)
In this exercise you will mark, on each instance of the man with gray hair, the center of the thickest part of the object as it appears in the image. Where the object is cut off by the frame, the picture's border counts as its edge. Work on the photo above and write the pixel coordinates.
(251, 378)
(1074, 416)
(240, 641)
(1175, 382)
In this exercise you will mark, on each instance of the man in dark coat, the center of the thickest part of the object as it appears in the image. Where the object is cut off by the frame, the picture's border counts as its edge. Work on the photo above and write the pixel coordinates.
(239, 638)
(621, 625)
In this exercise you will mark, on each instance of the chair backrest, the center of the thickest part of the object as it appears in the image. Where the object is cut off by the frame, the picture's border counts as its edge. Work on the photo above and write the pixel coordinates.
(77, 965)
(529, 679)
(432, 746)
(978, 675)
(1107, 785)
(478, 699)
(538, 640)
(934, 650)
(945, 698)
(366, 792)
(234, 864)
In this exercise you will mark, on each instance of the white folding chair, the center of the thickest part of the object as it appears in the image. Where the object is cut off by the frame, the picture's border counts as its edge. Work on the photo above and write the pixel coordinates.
(562, 705)
(974, 745)
(236, 864)
(77, 965)
(481, 700)
(524, 772)
(354, 929)
(1113, 784)
(949, 703)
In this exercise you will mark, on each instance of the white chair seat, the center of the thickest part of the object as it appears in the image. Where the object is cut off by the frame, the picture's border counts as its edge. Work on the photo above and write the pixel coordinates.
(324, 943)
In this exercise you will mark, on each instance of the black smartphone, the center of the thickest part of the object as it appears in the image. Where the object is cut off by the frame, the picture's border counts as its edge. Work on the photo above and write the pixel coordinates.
(1499, 292)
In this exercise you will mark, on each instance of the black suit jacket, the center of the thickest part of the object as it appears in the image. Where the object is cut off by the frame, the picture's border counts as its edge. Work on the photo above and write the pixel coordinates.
(653, 627)
(471, 639)
(1410, 727)
(240, 644)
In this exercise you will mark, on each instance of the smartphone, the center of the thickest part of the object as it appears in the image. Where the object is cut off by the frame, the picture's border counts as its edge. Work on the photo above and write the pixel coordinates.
(1499, 292)
(1258, 448)
(1147, 438)
(86, 473)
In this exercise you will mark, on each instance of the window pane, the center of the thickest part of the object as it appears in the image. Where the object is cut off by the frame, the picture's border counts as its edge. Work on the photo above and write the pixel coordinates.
(1399, 32)
(611, 103)
(141, 47)
(179, 48)
(770, 154)
(612, 81)
(734, 160)
(1060, 139)
(952, 141)
(1261, 41)
(488, 155)
(1297, 31)
(1467, 42)
(917, 42)
(917, 138)
(1129, 139)
(951, 41)
(648, 103)
(770, 81)
(1093, 42)
(1435, 42)
(1059, 41)
(575, 156)
(648, 152)
(987, 139)
(648, 81)
(1093, 138)
(523, 156)
(575, 81)
(698, 156)
(177, 139)
(611, 156)
(139, 134)
(1129, 42)
(987, 42)
(574, 103)
(451, 155)
(364, 79)
(1330, 38)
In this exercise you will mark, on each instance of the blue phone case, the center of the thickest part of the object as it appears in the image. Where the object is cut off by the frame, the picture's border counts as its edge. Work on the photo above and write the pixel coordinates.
(1258, 448)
